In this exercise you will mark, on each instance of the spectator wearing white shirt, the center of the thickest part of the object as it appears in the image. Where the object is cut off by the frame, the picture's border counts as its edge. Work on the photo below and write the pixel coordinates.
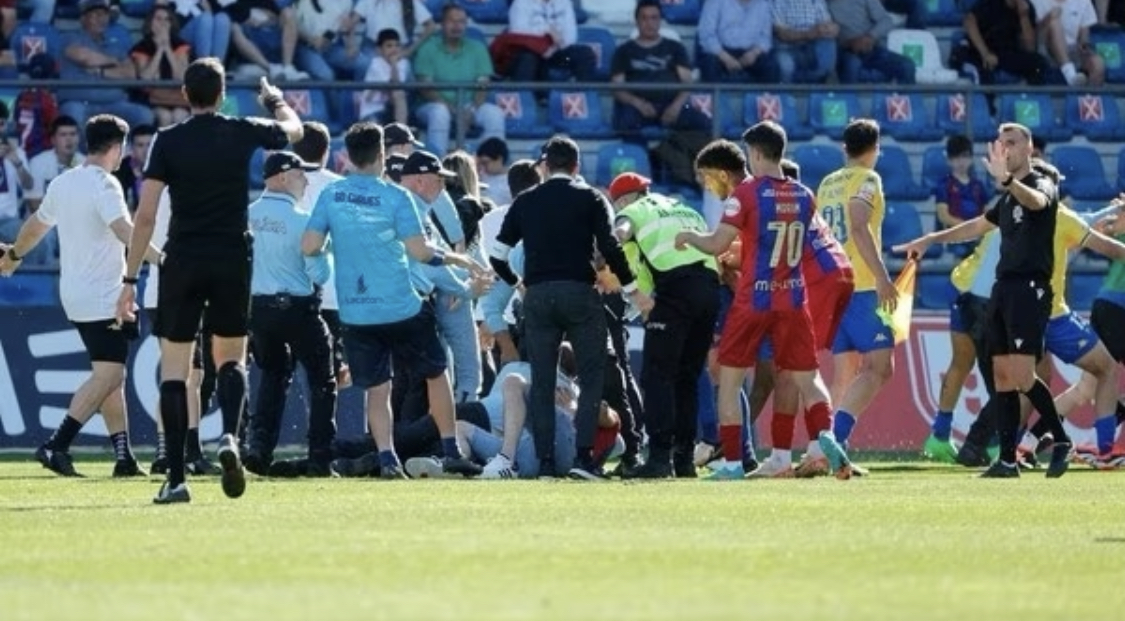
(390, 67)
(404, 16)
(1065, 28)
(331, 41)
(14, 176)
(554, 19)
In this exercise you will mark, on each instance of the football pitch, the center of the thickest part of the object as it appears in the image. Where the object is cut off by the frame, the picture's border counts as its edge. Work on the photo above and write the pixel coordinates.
(913, 542)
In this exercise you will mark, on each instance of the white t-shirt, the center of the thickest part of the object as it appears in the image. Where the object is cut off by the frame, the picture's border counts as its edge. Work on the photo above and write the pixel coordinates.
(490, 225)
(1074, 14)
(313, 24)
(498, 189)
(82, 203)
(318, 180)
(379, 72)
(159, 236)
(45, 167)
(382, 14)
(9, 188)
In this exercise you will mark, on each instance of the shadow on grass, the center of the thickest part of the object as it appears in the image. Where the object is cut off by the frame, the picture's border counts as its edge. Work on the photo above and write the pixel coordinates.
(83, 508)
(1118, 540)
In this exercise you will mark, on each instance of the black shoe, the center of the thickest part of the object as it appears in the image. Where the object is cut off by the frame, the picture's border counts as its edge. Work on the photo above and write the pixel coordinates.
(547, 469)
(257, 464)
(59, 462)
(973, 456)
(1046, 443)
(392, 473)
(651, 469)
(317, 469)
(461, 465)
(128, 468)
(234, 478)
(290, 468)
(1060, 460)
(202, 467)
(171, 495)
(628, 461)
(750, 464)
(363, 466)
(1001, 470)
(586, 471)
(159, 465)
(683, 467)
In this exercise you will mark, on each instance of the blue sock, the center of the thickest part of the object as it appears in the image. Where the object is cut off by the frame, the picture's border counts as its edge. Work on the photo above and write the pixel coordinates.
(388, 458)
(1105, 427)
(708, 426)
(942, 425)
(842, 425)
(449, 445)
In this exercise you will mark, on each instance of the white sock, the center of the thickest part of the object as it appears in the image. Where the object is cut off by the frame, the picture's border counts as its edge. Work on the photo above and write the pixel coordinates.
(782, 456)
(1069, 71)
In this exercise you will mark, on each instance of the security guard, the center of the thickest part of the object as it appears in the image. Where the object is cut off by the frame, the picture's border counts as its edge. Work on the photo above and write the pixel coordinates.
(678, 330)
(285, 317)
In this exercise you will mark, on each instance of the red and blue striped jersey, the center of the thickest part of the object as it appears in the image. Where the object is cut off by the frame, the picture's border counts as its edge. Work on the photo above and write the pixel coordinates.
(824, 255)
(772, 216)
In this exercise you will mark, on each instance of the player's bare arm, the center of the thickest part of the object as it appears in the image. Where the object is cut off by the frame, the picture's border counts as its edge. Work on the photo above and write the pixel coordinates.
(31, 232)
(1104, 245)
(714, 243)
(271, 98)
(859, 212)
(143, 224)
(123, 229)
(966, 231)
(422, 252)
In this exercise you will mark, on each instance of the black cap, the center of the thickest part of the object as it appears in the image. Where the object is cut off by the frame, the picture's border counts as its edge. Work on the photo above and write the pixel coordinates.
(281, 161)
(41, 67)
(396, 133)
(394, 165)
(423, 162)
(90, 5)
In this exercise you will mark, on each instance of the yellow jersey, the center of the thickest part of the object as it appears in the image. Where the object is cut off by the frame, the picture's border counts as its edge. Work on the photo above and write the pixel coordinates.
(839, 188)
(979, 268)
(1071, 232)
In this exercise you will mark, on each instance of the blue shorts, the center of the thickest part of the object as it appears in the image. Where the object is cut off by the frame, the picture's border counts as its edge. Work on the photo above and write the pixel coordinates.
(862, 329)
(412, 344)
(1069, 337)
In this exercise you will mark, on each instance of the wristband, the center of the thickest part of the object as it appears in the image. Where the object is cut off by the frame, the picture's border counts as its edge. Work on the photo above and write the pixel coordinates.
(1007, 182)
(125, 280)
(438, 259)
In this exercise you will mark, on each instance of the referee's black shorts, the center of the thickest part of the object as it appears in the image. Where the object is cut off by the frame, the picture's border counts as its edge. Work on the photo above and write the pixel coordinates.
(189, 284)
(1018, 313)
(202, 349)
(1108, 321)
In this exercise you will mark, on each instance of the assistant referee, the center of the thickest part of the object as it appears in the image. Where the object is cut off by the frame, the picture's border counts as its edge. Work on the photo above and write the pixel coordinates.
(205, 163)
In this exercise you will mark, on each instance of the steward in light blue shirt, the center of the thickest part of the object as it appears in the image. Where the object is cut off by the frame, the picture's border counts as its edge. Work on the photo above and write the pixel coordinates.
(278, 224)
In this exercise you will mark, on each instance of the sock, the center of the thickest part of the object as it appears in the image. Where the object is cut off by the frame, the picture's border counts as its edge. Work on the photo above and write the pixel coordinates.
(121, 449)
(818, 418)
(1120, 413)
(1044, 403)
(782, 456)
(173, 413)
(388, 458)
(1007, 424)
(192, 447)
(942, 425)
(232, 395)
(1040, 428)
(781, 431)
(1105, 427)
(64, 435)
(450, 448)
(161, 450)
(730, 437)
(842, 426)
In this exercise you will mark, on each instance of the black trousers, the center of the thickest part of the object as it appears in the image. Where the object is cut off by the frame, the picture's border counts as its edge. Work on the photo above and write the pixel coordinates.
(621, 391)
(677, 338)
(553, 310)
(285, 330)
(332, 320)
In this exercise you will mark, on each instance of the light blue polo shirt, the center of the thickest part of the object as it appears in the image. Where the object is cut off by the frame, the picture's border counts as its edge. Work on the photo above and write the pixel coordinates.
(279, 264)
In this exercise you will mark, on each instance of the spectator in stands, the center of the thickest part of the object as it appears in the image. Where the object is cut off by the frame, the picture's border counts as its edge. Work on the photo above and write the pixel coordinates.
(554, 21)
(452, 57)
(14, 176)
(390, 66)
(652, 59)
(960, 196)
(96, 53)
(1065, 27)
(331, 44)
(62, 156)
(806, 35)
(914, 10)
(42, 11)
(1001, 37)
(205, 26)
(8, 20)
(163, 55)
(1110, 13)
(265, 34)
(736, 42)
(864, 56)
(130, 173)
(405, 16)
(492, 164)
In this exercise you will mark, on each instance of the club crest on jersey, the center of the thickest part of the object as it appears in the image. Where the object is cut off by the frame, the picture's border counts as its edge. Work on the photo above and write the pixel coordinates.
(731, 207)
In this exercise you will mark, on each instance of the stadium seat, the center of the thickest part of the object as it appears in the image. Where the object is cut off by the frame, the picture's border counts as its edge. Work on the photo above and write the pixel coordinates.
(817, 161)
(484, 11)
(958, 114)
(921, 47)
(30, 38)
(903, 223)
(578, 114)
(616, 158)
(521, 118)
(935, 167)
(1084, 175)
(67, 9)
(1037, 112)
(893, 166)
(942, 12)
(1081, 289)
(1082, 206)
(935, 291)
(435, 7)
(1121, 170)
(1110, 45)
(472, 32)
(602, 42)
(137, 9)
(778, 107)
(311, 104)
(1097, 117)
(830, 112)
(242, 102)
(685, 12)
(705, 103)
(257, 175)
(904, 117)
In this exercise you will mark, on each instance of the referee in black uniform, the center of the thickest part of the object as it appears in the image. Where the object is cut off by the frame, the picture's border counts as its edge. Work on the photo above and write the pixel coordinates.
(205, 163)
(1021, 297)
(561, 222)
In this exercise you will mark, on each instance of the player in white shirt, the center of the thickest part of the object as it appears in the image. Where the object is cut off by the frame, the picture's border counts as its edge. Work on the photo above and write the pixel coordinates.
(88, 207)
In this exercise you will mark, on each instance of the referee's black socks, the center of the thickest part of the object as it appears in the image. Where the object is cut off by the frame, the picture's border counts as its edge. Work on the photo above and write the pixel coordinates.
(232, 395)
(1044, 403)
(1008, 423)
(174, 415)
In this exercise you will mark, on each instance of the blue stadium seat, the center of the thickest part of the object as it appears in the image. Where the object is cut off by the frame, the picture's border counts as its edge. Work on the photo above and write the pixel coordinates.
(893, 166)
(257, 178)
(521, 118)
(67, 9)
(942, 13)
(684, 12)
(1097, 117)
(1121, 170)
(345, 108)
(705, 103)
(1083, 171)
(311, 104)
(242, 102)
(435, 7)
(935, 292)
(904, 117)
(483, 11)
(817, 161)
(472, 32)
(903, 223)
(616, 158)
(830, 112)
(1081, 289)
(779, 107)
(1037, 112)
(1110, 45)
(30, 38)
(1082, 206)
(136, 8)
(602, 42)
(935, 167)
(577, 113)
(955, 109)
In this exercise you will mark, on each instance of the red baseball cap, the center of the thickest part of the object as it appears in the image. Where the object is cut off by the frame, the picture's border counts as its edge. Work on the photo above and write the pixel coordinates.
(627, 182)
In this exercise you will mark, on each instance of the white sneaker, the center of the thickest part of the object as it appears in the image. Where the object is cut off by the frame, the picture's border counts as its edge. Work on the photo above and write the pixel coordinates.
(772, 469)
(705, 453)
(289, 72)
(499, 467)
(425, 468)
(277, 71)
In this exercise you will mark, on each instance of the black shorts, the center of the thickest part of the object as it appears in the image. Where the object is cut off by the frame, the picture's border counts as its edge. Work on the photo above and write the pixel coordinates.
(1108, 321)
(202, 351)
(412, 343)
(105, 341)
(1018, 313)
(190, 284)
